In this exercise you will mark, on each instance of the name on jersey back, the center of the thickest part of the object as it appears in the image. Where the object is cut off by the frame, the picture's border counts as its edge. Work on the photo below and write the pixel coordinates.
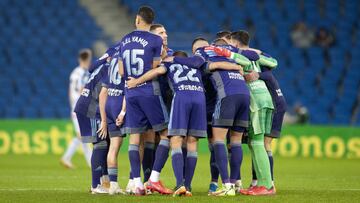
(137, 39)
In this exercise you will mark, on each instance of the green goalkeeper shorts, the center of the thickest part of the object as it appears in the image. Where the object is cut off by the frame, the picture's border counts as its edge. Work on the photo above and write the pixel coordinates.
(261, 121)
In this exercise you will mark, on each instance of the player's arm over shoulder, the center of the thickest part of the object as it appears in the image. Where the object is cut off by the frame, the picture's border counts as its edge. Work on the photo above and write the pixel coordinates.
(223, 65)
(268, 61)
(195, 61)
(240, 59)
(157, 49)
(153, 73)
(265, 59)
(160, 70)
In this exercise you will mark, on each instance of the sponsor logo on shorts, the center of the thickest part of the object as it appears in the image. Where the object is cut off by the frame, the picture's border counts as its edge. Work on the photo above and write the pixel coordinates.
(191, 87)
(114, 92)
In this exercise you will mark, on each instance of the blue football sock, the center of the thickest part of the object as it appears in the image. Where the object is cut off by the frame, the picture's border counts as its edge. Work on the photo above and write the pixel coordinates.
(235, 161)
(113, 174)
(222, 161)
(191, 161)
(97, 161)
(178, 165)
(184, 152)
(161, 155)
(148, 159)
(134, 158)
(213, 167)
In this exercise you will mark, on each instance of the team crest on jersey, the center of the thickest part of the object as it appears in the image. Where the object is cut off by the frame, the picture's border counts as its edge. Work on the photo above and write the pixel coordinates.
(197, 52)
(85, 92)
(279, 93)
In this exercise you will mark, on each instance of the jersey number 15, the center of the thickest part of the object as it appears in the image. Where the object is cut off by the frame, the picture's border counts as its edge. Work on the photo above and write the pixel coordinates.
(133, 60)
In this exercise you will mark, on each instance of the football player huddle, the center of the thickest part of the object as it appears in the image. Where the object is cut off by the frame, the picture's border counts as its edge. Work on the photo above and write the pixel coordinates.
(165, 100)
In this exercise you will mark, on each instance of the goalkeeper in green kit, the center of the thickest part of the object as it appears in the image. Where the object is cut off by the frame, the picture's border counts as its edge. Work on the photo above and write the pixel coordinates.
(261, 110)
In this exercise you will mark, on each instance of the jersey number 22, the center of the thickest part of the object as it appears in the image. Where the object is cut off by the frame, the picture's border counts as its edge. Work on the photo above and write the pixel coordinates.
(180, 69)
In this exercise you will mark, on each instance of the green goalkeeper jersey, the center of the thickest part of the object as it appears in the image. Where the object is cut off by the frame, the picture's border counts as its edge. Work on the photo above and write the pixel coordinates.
(260, 96)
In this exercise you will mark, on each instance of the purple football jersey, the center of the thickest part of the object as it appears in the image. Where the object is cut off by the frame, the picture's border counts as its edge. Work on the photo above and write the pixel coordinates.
(88, 102)
(274, 88)
(166, 92)
(138, 51)
(224, 81)
(184, 75)
(113, 80)
(188, 111)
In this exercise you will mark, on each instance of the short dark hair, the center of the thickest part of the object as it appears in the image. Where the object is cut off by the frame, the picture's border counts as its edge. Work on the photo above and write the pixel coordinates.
(219, 41)
(223, 33)
(84, 54)
(155, 26)
(147, 14)
(197, 39)
(180, 53)
(241, 36)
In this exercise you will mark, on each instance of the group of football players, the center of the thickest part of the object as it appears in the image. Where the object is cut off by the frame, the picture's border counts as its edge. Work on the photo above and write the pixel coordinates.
(164, 99)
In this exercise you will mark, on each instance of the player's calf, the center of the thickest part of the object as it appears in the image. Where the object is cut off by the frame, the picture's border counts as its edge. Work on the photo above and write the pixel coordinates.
(220, 153)
(161, 156)
(213, 170)
(134, 158)
(177, 159)
(267, 142)
(98, 164)
(237, 156)
(115, 144)
(191, 161)
(149, 151)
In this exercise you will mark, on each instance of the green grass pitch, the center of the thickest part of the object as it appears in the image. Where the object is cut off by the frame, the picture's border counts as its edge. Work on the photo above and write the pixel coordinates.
(42, 179)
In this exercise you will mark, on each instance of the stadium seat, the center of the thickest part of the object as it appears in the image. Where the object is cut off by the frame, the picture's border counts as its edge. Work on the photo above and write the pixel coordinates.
(30, 112)
(39, 43)
(48, 112)
(12, 112)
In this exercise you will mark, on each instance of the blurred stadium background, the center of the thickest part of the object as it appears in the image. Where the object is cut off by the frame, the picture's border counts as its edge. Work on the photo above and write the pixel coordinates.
(317, 44)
